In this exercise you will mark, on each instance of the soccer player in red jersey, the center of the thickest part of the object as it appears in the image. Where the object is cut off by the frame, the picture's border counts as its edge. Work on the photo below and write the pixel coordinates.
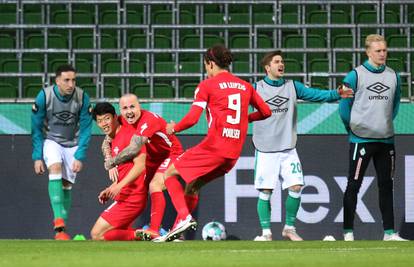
(130, 191)
(162, 149)
(226, 99)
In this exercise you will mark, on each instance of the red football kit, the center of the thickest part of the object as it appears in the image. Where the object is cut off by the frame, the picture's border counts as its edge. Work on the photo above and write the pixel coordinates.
(132, 199)
(162, 148)
(226, 99)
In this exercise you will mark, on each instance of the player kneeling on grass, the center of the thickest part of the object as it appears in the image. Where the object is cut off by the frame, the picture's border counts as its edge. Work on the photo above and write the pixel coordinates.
(130, 191)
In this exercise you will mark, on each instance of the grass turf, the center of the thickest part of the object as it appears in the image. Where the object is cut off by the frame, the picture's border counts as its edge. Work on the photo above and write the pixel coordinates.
(205, 253)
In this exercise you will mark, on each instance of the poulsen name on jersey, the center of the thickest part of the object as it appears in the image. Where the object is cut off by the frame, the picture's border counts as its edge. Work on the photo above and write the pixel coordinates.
(231, 133)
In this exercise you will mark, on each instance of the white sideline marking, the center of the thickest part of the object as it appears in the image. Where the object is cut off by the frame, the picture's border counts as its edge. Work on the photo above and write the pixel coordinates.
(304, 250)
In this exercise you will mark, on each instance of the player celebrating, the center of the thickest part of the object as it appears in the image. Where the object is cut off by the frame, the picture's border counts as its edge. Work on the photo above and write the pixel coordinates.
(129, 191)
(64, 109)
(275, 142)
(226, 99)
(162, 149)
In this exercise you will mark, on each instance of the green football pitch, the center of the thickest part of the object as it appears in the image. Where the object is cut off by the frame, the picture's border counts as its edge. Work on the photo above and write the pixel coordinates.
(205, 253)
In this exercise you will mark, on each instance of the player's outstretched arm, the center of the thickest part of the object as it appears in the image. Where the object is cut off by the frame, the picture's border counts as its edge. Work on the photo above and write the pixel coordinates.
(263, 110)
(189, 120)
(345, 92)
(127, 153)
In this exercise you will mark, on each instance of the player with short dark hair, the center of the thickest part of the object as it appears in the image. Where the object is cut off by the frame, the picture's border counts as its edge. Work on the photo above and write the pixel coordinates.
(129, 192)
(226, 99)
(61, 130)
(162, 149)
(275, 142)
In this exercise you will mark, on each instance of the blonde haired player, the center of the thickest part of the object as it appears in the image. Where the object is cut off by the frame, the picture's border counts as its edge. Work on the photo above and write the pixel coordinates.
(369, 121)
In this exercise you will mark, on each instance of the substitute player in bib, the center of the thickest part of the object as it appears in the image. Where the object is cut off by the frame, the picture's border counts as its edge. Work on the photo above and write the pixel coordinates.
(226, 99)
(369, 121)
(162, 149)
(61, 130)
(275, 142)
(129, 192)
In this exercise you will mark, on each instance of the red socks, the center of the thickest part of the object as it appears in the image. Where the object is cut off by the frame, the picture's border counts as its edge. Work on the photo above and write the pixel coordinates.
(176, 192)
(157, 210)
(192, 202)
(120, 235)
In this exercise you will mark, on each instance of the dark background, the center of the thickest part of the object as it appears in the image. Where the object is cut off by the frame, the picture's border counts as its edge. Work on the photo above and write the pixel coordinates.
(25, 210)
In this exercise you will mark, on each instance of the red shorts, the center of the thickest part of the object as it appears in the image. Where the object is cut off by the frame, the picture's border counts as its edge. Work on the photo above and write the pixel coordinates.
(197, 163)
(121, 214)
(152, 168)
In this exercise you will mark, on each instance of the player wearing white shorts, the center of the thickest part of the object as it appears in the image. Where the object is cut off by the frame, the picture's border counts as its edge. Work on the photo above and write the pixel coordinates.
(61, 130)
(275, 142)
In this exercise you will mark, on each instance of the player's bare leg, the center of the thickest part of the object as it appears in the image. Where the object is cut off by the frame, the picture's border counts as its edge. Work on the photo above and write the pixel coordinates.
(99, 229)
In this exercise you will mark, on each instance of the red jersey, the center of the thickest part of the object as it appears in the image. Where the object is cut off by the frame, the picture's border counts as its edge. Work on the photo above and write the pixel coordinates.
(226, 99)
(133, 191)
(161, 145)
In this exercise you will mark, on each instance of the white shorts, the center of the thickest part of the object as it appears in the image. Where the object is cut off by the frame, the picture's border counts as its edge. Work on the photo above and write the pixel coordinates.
(55, 153)
(270, 166)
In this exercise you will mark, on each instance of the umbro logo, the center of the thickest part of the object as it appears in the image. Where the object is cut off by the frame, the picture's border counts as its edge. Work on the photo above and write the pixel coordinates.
(64, 115)
(378, 88)
(277, 101)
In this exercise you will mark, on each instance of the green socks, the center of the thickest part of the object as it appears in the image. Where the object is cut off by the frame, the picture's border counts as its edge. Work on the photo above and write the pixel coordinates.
(56, 197)
(67, 203)
(389, 231)
(292, 206)
(264, 210)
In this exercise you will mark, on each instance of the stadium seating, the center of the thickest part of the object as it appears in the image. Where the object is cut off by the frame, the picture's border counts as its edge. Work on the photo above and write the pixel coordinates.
(111, 17)
(86, 41)
(241, 66)
(78, 17)
(32, 89)
(90, 89)
(7, 41)
(28, 65)
(187, 90)
(7, 90)
(112, 90)
(264, 18)
(95, 33)
(191, 67)
(8, 18)
(194, 41)
(53, 41)
(292, 65)
(160, 90)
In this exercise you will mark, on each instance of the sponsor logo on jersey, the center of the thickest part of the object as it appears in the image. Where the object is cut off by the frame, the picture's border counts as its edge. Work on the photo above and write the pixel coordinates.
(378, 88)
(65, 118)
(64, 115)
(278, 101)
